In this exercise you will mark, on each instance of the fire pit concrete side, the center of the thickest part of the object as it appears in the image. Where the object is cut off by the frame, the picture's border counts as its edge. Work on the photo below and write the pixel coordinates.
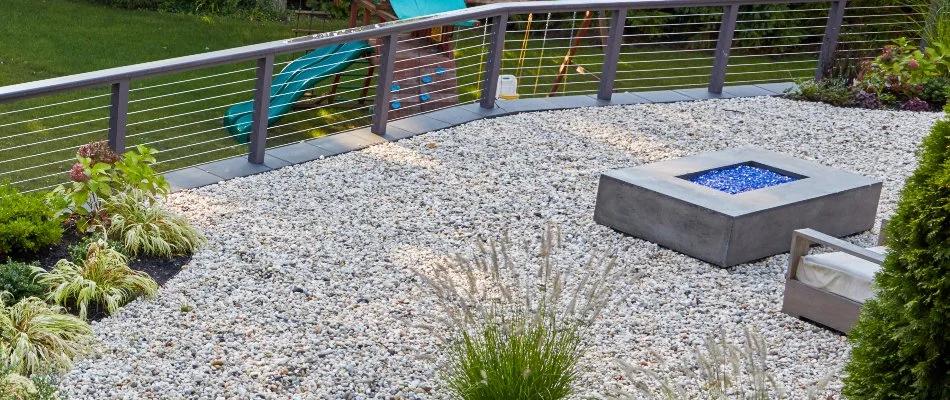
(656, 202)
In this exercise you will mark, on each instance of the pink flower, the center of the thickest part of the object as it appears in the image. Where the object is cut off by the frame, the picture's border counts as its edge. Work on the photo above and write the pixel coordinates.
(913, 64)
(78, 174)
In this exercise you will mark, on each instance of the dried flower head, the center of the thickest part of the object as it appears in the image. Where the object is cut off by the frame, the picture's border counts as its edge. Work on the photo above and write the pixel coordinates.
(78, 174)
(98, 152)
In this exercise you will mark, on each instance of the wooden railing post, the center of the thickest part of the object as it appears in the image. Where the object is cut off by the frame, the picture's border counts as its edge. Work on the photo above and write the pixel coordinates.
(495, 55)
(260, 115)
(118, 115)
(830, 42)
(727, 30)
(384, 83)
(608, 73)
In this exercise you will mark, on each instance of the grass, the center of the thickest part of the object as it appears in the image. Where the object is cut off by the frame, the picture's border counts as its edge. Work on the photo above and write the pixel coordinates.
(180, 114)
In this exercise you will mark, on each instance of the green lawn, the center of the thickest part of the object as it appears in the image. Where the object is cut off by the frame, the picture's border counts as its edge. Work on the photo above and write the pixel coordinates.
(180, 114)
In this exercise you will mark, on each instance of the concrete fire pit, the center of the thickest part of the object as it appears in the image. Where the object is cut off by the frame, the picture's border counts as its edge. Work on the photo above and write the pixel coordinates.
(659, 202)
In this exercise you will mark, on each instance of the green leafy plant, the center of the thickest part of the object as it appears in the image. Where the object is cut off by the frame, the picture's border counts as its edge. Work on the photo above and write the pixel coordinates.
(79, 251)
(336, 9)
(935, 90)
(148, 228)
(516, 333)
(19, 280)
(834, 92)
(908, 72)
(36, 336)
(725, 371)
(901, 341)
(104, 279)
(27, 223)
(98, 174)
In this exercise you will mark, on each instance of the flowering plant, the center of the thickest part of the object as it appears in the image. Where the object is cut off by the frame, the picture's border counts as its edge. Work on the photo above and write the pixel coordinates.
(98, 173)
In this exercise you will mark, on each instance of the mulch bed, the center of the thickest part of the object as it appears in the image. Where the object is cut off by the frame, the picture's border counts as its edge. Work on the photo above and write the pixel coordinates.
(160, 269)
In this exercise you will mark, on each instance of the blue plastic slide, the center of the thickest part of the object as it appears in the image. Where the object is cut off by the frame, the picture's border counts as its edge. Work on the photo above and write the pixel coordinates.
(291, 83)
(418, 8)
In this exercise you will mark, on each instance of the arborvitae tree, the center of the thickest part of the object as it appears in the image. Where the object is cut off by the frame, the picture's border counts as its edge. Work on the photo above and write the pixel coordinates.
(902, 340)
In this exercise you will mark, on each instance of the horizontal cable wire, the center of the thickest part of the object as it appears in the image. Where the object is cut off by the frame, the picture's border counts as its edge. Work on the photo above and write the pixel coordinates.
(37, 166)
(194, 101)
(673, 16)
(227, 137)
(778, 29)
(437, 63)
(57, 104)
(190, 91)
(460, 103)
(778, 37)
(41, 177)
(660, 77)
(198, 154)
(336, 104)
(215, 129)
(53, 116)
(191, 80)
(70, 149)
(769, 72)
(53, 139)
(317, 127)
(53, 128)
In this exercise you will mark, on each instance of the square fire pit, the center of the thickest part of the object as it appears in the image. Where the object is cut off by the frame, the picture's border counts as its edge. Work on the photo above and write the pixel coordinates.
(734, 206)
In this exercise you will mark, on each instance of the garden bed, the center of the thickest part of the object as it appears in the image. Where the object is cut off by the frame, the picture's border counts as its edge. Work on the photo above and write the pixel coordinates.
(159, 268)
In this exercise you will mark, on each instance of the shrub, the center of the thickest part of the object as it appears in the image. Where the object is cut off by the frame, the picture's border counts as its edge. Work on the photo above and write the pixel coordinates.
(100, 173)
(726, 371)
(868, 100)
(19, 280)
(915, 105)
(901, 341)
(37, 336)
(27, 223)
(901, 68)
(517, 333)
(935, 90)
(104, 279)
(148, 228)
(257, 9)
(833, 92)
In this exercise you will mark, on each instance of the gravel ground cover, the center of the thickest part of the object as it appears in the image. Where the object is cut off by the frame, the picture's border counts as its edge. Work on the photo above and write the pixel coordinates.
(305, 288)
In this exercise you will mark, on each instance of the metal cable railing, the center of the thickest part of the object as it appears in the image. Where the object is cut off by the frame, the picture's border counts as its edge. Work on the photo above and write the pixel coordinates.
(218, 105)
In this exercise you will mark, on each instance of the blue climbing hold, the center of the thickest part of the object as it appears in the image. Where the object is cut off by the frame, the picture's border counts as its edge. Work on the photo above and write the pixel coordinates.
(396, 105)
(424, 97)
(427, 79)
(395, 87)
(440, 70)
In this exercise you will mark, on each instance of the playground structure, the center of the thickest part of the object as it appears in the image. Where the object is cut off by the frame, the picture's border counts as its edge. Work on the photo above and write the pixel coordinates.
(424, 71)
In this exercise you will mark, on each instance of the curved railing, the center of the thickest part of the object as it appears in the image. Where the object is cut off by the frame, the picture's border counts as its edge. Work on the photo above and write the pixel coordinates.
(826, 21)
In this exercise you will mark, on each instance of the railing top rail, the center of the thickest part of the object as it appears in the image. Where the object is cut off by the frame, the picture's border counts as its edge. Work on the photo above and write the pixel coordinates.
(110, 76)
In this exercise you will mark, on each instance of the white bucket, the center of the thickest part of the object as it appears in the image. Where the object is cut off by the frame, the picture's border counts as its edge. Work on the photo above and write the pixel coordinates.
(507, 87)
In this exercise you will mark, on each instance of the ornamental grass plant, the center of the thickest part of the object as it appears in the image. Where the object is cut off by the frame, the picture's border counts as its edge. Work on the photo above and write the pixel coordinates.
(146, 227)
(721, 371)
(36, 337)
(516, 323)
(103, 279)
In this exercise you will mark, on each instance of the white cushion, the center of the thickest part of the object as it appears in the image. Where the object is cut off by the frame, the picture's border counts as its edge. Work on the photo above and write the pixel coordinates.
(840, 273)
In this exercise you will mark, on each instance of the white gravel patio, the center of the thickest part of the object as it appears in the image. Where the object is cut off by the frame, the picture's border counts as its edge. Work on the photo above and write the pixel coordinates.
(305, 290)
